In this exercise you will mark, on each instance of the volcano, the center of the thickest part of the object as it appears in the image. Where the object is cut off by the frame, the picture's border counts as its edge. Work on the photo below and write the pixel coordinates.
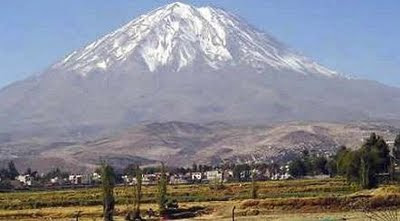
(189, 64)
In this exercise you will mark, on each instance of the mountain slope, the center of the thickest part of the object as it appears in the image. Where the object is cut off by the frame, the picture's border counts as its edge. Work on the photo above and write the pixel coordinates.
(181, 144)
(181, 63)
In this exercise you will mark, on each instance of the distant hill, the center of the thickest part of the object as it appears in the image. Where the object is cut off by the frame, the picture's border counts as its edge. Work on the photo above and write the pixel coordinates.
(182, 144)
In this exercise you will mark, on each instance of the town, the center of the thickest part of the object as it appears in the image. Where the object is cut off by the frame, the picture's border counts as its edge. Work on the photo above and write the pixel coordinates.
(198, 174)
(320, 166)
(374, 166)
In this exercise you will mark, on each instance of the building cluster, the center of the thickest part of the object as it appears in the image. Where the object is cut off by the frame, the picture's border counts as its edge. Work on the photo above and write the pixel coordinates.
(213, 175)
(183, 178)
(73, 179)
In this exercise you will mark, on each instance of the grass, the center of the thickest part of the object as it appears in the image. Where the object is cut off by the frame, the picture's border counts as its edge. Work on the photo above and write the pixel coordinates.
(299, 196)
(183, 193)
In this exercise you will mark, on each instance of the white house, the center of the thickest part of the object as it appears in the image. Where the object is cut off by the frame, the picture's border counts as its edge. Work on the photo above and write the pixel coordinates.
(129, 180)
(177, 179)
(214, 175)
(96, 177)
(25, 179)
(148, 179)
(283, 176)
(75, 179)
(197, 176)
(55, 180)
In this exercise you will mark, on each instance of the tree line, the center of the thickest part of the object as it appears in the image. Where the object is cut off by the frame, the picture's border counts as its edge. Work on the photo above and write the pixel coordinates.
(166, 205)
(367, 166)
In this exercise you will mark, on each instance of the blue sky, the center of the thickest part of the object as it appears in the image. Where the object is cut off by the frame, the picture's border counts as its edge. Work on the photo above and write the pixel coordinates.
(357, 37)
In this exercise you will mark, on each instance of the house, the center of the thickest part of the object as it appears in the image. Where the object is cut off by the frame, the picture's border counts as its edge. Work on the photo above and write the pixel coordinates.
(270, 172)
(75, 179)
(26, 180)
(54, 180)
(320, 176)
(87, 179)
(283, 176)
(149, 179)
(213, 175)
(128, 180)
(228, 175)
(179, 179)
(245, 175)
(197, 176)
(96, 177)
(57, 181)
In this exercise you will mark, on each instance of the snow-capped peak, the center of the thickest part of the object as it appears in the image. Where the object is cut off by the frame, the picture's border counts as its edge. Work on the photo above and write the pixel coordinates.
(178, 35)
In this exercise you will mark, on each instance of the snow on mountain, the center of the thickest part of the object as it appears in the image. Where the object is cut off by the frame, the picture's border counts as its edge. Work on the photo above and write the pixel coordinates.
(178, 35)
(182, 64)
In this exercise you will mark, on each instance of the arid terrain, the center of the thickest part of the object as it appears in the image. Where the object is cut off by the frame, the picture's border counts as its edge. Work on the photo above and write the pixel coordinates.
(329, 199)
(181, 144)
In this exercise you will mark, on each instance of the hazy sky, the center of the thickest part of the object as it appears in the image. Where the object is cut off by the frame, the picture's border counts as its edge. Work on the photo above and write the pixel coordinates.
(358, 37)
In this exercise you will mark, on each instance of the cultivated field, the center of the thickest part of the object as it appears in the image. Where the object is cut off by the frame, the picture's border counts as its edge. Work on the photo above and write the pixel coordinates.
(328, 199)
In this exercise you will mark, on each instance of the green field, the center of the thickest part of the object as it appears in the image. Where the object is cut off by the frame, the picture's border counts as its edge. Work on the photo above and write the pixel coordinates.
(330, 198)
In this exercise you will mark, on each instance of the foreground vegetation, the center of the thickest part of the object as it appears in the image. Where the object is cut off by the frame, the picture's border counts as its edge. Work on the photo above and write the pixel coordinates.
(328, 195)
(182, 193)
(372, 166)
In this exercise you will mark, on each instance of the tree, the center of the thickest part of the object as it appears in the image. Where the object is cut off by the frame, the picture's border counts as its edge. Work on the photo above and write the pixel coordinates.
(396, 151)
(320, 165)
(395, 157)
(352, 162)
(242, 172)
(343, 160)
(297, 168)
(12, 170)
(130, 170)
(5, 185)
(162, 191)
(107, 184)
(332, 167)
(381, 149)
(194, 167)
(137, 193)
(254, 187)
(4, 174)
(367, 171)
(28, 171)
(224, 168)
(53, 173)
(306, 157)
(363, 166)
